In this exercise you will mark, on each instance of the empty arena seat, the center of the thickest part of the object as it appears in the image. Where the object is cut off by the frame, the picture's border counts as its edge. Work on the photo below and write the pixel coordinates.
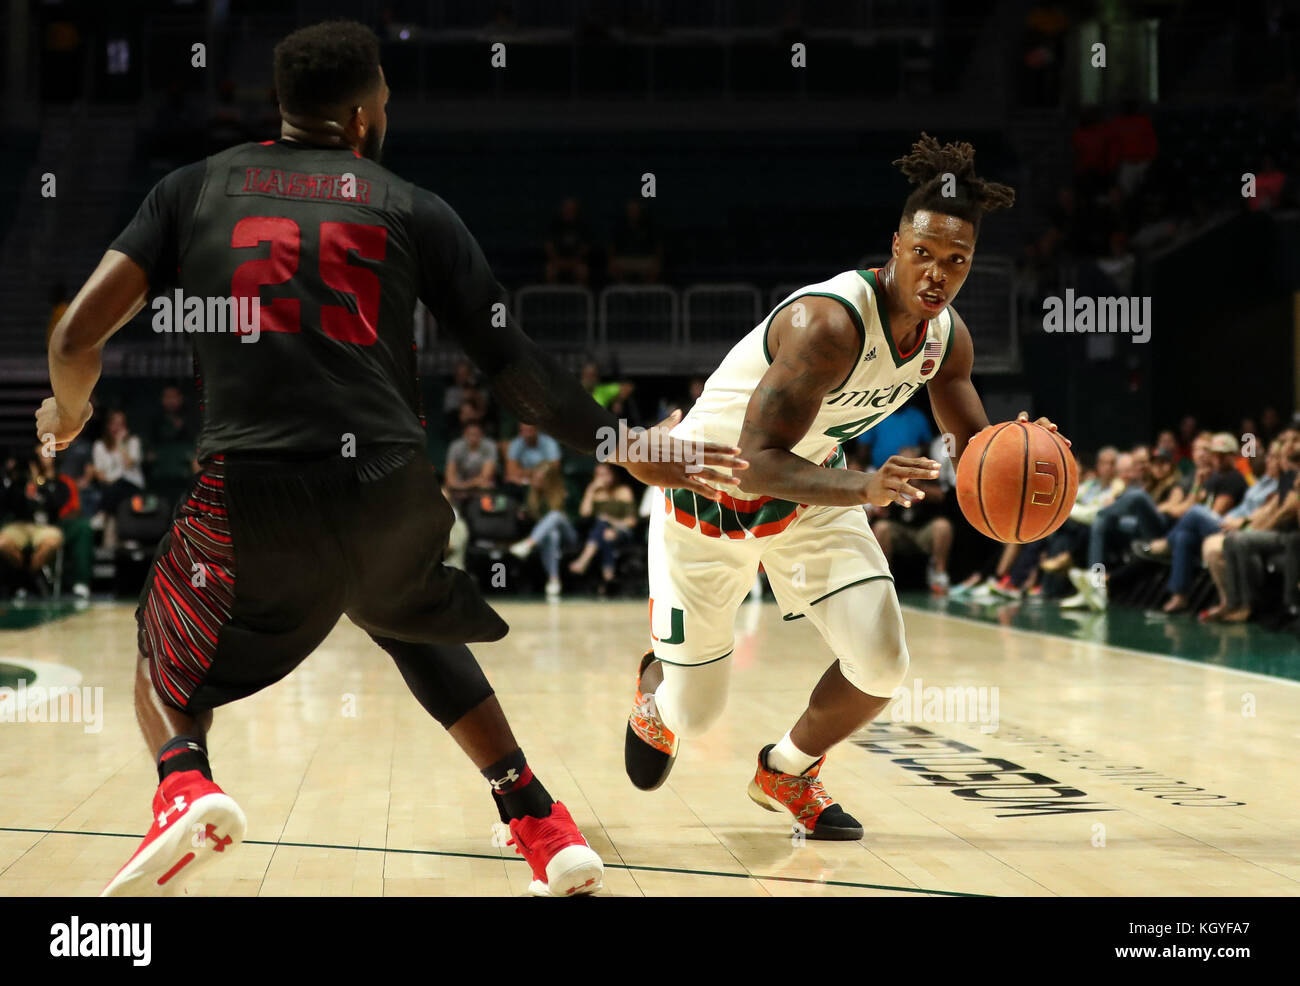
(719, 313)
(987, 304)
(641, 321)
(557, 315)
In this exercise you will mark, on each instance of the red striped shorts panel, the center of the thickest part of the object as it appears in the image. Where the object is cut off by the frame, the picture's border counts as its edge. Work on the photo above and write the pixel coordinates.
(191, 591)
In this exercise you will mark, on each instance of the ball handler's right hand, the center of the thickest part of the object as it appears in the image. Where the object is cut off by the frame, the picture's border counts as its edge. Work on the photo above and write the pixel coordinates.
(890, 483)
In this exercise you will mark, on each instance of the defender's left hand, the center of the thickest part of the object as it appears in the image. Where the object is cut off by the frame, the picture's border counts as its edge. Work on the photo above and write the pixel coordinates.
(50, 420)
(685, 465)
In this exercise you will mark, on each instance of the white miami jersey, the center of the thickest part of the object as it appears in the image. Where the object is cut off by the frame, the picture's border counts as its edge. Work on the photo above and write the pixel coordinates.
(880, 382)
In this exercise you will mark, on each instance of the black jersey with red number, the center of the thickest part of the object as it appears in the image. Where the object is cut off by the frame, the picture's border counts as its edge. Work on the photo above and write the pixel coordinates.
(337, 250)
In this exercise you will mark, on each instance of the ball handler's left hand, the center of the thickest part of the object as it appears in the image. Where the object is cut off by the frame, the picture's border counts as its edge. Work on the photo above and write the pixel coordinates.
(52, 421)
(1024, 416)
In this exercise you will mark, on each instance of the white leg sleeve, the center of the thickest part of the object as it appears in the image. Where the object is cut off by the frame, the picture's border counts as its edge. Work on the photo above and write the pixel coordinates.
(864, 627)
(691, 698)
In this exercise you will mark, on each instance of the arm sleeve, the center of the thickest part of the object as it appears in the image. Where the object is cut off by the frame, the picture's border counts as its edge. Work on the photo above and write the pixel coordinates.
(152, 238)
(459, 288)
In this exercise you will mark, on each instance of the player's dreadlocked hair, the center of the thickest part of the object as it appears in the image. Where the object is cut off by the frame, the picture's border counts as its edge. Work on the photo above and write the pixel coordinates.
(970, 196)
(325, 66)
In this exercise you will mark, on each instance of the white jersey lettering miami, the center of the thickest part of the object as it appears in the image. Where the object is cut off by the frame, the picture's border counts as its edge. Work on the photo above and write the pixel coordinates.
(881, 381)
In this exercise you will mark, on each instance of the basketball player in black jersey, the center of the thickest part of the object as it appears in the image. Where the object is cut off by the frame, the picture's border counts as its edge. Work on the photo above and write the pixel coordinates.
(316, 498)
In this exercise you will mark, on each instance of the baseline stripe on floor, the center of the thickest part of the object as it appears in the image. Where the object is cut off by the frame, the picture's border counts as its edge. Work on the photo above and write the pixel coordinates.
(520, 859)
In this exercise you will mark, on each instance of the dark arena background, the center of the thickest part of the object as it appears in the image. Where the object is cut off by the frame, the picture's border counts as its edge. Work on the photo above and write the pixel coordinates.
(1107, 712)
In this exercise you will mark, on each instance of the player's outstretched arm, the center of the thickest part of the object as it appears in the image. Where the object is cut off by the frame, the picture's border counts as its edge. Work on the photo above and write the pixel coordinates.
(467, 300)
(814, 346)
(539, 391)
(108, 300)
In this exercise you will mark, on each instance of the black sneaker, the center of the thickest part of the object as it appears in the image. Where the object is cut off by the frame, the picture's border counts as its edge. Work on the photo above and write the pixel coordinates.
(650, 747)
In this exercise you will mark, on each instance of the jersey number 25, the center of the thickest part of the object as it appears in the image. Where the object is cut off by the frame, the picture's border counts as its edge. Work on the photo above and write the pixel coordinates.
(337, 241)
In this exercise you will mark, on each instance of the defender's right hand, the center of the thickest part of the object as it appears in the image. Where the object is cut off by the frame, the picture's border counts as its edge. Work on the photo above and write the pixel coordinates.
(890, 483)
(685, 464)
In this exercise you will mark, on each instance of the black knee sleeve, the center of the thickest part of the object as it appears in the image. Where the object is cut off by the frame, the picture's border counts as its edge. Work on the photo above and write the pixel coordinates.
(444, 678)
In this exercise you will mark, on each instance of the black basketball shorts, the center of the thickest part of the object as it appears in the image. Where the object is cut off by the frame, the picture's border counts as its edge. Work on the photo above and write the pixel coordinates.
(265, 555)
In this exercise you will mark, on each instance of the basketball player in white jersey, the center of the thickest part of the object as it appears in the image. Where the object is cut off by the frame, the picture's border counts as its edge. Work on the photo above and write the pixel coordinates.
(831, 361)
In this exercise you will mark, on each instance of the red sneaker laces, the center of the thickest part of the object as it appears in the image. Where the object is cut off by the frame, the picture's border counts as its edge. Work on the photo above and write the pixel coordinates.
(553, 838)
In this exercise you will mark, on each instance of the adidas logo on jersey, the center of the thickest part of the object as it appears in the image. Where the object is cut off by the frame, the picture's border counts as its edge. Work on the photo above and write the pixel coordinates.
(870, 356)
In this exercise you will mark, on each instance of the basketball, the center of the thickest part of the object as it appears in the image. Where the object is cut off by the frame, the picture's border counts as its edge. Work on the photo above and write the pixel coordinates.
(1016, 482)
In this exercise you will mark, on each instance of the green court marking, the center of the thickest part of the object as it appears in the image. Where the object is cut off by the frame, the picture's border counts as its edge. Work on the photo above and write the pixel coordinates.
(24, 616)
(520, 859)
(1241, 647)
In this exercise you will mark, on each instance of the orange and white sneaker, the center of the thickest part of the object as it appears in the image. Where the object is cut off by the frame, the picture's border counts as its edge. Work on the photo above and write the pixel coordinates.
(563, 864)
(195, 824)
(804, 797)
(650, 747)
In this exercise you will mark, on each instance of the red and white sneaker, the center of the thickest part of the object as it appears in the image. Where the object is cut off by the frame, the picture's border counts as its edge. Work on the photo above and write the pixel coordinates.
(195, 824)
(816, 813)
(563, 864)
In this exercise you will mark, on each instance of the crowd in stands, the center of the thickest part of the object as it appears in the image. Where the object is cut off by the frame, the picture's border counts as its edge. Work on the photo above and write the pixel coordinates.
(1115, 208)
(523, 501)
(1133, 192)
(111, 486)
(517, 495)
(1200, 523)
(1197, 522)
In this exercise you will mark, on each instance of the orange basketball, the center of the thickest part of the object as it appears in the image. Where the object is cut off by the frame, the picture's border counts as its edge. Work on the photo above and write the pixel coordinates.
(1016, 482)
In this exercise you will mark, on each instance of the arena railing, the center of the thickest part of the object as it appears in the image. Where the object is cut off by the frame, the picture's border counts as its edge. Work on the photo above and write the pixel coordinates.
(718, 314)
(558, 315)
(639, 327)
(647, 329)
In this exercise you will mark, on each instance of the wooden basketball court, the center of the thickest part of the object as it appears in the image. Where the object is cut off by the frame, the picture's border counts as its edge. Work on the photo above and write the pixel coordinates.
(1107, 771)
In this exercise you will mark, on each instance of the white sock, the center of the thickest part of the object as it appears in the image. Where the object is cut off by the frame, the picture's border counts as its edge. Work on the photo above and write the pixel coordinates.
(788, 758)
